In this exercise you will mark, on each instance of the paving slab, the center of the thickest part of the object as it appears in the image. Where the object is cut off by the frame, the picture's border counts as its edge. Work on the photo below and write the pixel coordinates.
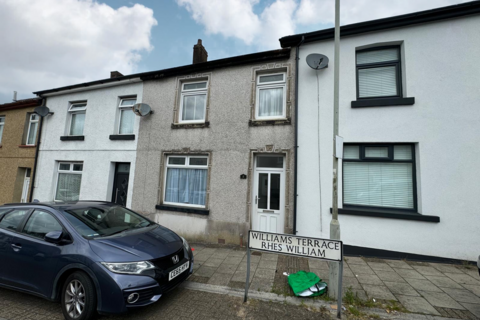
(236, 253)
(269, 257)
(389, 276)
(417, 304)
(472, 273)
(241, 276)
(370, 279)
(261, 284)
(440, 299)
(232, 260)
(265, 273)
(351, 283)
(378, 292)
(444, 282)
(204, 271)
(410, 274)
(446, 268)
(220, 279)
(220, 254)
(427, 271)
(318, 264)
(401, 288)
(361, 269)
(473, 288)
(398, 264)
(463, 278)
(209, 251)
(213, 262)
(267, 264)
(360, 293)
(473, 308)
(355, 260)
(376, 266)
(254, 259)
(227, 268)
(462, 295)
(423, 285)
(243, 266)
(347, 272)
(202, 257)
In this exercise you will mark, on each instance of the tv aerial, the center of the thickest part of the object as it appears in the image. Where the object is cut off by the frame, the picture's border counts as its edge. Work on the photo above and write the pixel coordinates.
(142, 109)
(317, 61)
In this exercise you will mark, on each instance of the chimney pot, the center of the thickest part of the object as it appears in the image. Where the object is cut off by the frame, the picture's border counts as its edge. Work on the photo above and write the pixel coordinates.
(115, 74)
(199, 53)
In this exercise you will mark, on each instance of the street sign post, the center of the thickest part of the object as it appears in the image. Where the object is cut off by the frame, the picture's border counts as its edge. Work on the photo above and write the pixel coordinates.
(287, 244)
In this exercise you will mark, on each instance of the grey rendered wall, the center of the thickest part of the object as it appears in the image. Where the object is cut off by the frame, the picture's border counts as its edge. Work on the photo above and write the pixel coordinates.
(231, 142)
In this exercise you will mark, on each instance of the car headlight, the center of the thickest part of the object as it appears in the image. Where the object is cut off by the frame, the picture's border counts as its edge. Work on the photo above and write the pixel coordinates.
(185, 244)
(129, 267)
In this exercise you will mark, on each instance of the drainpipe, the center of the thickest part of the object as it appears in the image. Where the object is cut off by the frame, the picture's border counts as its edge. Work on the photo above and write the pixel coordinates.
(295, 169)
(37, 149)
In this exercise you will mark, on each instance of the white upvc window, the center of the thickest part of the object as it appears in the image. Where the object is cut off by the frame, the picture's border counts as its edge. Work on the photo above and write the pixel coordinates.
(193, 102)
(271, 96)
(32, 129)
(68, 181)
(186, 181)
(77, 118)
(126, 119)
(2, 124)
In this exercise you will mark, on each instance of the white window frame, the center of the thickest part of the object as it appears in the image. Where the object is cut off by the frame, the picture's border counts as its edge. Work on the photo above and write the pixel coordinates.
(121, 109)
(2, 126)
(183, 166)
(193, 92)
(76, 111)
(70, 171)
(30, 123)
(271, 85)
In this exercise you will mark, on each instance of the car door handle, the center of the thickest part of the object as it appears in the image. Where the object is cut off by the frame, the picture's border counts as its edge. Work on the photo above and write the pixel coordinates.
(16, 247)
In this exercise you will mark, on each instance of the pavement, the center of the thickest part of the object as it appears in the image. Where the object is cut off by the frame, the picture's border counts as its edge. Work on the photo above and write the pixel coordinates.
(372, 288)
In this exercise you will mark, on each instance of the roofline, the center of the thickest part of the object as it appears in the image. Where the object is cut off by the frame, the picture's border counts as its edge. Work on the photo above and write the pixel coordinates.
(21, 104)
(151, 75)
(454, 11)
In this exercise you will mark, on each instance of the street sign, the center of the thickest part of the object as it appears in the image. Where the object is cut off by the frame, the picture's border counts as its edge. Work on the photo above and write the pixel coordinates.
(288, 244)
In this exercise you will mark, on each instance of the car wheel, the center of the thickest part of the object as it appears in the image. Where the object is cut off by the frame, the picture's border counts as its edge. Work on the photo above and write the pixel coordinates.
(79, 298)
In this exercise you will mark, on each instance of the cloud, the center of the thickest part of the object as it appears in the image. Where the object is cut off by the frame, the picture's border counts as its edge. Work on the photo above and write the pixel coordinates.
(52, 43)
(237, 19)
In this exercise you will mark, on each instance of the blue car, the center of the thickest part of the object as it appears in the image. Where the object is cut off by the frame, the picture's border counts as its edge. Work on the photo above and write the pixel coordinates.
(94, 257)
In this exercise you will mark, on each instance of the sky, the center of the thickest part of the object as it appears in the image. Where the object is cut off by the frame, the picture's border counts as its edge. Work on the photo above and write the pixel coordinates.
(53, 43)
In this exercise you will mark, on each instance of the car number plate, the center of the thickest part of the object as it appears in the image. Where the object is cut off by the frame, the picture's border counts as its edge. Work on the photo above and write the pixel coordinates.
(174, 273)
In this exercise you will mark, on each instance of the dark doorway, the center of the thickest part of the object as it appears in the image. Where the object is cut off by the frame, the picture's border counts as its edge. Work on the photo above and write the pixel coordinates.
(120, 183)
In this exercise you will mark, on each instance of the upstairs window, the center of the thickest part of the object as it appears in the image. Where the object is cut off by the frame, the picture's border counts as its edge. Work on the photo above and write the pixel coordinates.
(32, 129)
(271, 96)
(2, 124)
(193, 102)
(379, 73)
(379, 176)
(127, 117)
(186, 181)
(77, 118)
(69, 181)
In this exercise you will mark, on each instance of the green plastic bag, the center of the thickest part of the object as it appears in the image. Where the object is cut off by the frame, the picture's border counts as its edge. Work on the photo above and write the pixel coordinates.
(303, 281)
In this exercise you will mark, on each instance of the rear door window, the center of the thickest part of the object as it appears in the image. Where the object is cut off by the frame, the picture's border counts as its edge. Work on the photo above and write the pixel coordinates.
(12, 219)
(40, 223)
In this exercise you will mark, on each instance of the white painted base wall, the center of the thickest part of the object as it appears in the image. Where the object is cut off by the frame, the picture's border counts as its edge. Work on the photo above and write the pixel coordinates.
(443, 123)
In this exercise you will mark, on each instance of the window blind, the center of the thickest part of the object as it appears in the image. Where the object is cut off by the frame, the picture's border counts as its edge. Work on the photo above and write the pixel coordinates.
(382, 55)
(377, 82)
(378, 184)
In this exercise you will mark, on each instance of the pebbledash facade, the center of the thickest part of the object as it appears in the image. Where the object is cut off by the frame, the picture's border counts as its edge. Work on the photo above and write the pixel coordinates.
(216, 157)
(88, 145)
(409, 116)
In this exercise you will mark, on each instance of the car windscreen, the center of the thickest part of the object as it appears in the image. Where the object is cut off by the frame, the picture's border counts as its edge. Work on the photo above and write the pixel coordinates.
(102, 221)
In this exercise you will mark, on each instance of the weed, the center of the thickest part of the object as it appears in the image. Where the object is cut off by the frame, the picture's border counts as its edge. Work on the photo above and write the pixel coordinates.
(354, 311)
(466, 264)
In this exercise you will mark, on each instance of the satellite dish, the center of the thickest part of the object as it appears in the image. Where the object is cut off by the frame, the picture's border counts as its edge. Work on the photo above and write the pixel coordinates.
(42, 111)
(142, 109)
(317, 61)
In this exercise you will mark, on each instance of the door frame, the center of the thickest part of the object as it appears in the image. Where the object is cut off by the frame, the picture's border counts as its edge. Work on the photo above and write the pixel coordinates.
(283, 187)
(115, 172)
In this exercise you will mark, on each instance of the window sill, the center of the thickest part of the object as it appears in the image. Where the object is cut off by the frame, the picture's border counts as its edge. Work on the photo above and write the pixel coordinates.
(199, 211)
(273, 122)
(383, 102)
(72, 138)
(25, 146)
(122, 137)
(205, 124)
(388, 214)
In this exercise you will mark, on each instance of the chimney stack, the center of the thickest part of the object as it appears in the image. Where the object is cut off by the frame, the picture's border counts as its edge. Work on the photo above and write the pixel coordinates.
(14, 95)
(199, 53)
(115, 74)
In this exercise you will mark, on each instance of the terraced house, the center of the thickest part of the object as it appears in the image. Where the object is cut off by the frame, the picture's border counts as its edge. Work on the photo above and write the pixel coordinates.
(18, 144)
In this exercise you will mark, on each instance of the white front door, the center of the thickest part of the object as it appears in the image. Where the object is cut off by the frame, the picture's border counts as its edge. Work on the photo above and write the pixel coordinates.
(26, 185)
(268, 212)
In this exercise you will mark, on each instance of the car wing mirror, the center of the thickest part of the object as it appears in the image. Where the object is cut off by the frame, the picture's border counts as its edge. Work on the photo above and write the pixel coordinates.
(54, 237)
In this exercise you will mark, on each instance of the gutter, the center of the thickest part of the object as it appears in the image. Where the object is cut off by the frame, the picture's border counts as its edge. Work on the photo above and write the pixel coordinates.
(295, 169)
(37, 149)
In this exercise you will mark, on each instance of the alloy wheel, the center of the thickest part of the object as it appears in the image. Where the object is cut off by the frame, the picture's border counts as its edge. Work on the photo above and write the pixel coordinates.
(75, 299)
